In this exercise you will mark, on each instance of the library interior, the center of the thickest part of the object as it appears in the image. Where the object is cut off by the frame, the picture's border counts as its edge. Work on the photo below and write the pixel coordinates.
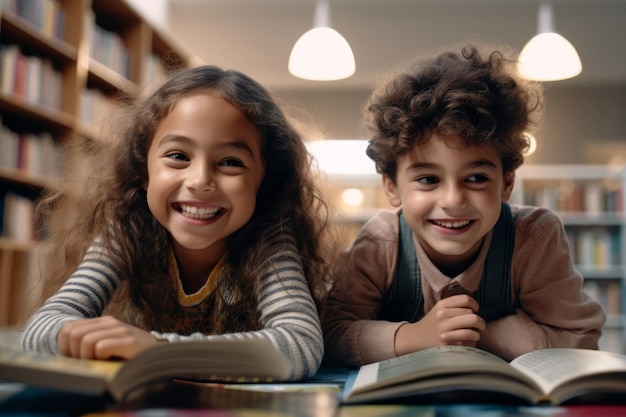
(63, 63)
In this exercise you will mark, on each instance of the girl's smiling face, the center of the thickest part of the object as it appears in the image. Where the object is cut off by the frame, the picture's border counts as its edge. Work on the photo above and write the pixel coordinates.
(204, 171)
(451, 198)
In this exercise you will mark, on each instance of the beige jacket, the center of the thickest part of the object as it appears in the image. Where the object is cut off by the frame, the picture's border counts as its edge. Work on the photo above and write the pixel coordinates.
(553, 310)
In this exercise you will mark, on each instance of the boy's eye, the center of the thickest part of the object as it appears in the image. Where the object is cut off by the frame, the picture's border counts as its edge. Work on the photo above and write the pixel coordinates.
(178, 156)
(428, 180)
(477, 178)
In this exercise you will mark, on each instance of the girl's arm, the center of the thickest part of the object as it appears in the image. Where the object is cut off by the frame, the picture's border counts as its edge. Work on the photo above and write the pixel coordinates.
(84, 295)
(287, 313)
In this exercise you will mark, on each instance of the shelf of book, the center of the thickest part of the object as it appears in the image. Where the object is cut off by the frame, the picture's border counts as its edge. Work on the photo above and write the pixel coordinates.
(590, 199)
(61, 63)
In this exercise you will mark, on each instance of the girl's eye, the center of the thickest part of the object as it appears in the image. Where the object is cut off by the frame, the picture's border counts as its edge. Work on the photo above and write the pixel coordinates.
(232, 162)
(477, 178)
(428, 180)
(178, 156)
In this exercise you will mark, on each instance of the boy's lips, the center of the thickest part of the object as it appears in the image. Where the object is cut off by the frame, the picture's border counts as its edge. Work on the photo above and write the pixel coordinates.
(451, 224)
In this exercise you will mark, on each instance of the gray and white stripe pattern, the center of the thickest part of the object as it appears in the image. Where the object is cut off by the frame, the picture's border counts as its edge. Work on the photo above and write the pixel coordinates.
(287, 311)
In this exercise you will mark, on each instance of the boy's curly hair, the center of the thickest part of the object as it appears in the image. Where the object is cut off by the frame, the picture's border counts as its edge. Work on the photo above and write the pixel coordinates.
(468, 99)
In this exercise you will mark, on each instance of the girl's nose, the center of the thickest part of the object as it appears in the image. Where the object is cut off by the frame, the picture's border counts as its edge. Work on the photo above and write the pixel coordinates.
(200, 178)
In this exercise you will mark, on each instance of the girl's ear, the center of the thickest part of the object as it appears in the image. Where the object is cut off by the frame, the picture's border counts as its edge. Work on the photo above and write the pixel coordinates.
(507, 185)
(391, 191)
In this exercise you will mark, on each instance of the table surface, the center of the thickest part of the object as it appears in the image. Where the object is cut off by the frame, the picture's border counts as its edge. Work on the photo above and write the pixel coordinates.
(300, 400)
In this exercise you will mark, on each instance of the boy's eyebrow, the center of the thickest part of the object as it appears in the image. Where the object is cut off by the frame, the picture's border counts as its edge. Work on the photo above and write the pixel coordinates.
(482, 163)
(235, 144)
(474, 164)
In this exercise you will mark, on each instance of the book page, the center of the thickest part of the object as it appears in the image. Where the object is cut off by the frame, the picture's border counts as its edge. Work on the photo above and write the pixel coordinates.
(106, 370)
(439, 361)
(553, 367)
(224, 360)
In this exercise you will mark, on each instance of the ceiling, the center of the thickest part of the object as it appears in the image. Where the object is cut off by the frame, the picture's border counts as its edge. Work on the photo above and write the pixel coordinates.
(256, 36)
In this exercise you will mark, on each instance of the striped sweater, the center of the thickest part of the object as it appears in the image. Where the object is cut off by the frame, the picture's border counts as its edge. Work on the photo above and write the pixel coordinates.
(287, 312)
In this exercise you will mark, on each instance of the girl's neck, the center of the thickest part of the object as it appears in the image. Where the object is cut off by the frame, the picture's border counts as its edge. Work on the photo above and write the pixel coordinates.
(195, 266)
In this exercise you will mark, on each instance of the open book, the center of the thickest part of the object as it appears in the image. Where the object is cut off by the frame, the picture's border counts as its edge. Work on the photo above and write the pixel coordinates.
(553, 376)
(232, 360)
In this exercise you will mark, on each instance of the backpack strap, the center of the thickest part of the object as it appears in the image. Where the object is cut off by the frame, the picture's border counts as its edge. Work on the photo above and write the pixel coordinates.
(407, 298)
(494, 290)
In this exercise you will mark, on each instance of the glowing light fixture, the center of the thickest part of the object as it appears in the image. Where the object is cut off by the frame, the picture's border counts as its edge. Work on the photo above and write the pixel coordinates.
(532, 144)
(548, 56)
(352, 197)
(345, 157)
(322, 54)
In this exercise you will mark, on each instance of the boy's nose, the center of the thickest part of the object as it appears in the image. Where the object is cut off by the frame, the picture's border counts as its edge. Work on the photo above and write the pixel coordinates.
(453, 197)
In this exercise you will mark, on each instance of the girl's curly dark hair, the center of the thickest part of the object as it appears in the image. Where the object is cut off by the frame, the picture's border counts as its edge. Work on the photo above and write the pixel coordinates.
(467, 98)
(102, 194)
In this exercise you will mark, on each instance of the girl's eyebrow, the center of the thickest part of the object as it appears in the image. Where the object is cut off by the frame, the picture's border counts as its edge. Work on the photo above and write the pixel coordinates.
(235, 144)
(174, 138)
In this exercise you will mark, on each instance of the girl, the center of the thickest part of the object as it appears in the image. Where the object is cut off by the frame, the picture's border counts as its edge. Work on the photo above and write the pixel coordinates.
(199, 221)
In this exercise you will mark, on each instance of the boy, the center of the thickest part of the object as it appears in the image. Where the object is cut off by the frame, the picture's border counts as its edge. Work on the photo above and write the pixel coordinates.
(447, 139)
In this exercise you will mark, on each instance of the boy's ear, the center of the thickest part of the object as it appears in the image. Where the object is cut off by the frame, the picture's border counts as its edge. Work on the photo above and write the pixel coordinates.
(391, 191)
(507, 185)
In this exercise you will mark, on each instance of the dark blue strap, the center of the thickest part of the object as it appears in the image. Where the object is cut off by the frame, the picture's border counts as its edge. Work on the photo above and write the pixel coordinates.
(494, 291)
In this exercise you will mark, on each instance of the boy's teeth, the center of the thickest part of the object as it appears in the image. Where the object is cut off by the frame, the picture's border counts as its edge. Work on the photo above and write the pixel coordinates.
(451, 225)
(194, 212)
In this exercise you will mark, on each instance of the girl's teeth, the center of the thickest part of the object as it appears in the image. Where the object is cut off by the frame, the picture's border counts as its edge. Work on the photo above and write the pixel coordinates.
(199, 213)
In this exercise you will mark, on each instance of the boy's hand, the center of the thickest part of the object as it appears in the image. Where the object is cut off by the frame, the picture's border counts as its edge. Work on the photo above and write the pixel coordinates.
(102, 338)
(452, 321)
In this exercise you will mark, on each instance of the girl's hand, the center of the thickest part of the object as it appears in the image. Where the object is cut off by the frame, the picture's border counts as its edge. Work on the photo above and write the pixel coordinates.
(452, 321)
(102, 338)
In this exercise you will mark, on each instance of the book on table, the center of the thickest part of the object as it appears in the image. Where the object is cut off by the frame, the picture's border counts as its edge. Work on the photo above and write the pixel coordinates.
(460, 373)
(230, 360)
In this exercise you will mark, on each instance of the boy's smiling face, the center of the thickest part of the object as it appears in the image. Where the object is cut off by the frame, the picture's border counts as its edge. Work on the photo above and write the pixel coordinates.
(451, 198)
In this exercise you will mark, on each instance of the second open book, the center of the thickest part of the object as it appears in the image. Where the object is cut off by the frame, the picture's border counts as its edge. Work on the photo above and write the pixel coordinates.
(552, 376)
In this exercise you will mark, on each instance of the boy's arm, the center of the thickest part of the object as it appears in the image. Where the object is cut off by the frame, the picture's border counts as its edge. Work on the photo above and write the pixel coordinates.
(352, 333)
(553, 311)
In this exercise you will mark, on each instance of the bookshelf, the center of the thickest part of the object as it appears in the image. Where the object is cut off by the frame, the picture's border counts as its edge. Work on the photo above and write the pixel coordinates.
(589, 198)
(63, 63)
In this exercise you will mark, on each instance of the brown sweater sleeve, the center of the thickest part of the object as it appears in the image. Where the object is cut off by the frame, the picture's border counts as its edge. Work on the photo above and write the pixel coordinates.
(364, 272)
(553, 311)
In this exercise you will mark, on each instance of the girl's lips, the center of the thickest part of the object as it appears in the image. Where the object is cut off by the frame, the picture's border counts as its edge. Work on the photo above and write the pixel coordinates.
(197, 212)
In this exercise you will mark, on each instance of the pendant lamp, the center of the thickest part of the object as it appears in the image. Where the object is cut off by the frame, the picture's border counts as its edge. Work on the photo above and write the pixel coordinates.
(548, 56)
(321, 54)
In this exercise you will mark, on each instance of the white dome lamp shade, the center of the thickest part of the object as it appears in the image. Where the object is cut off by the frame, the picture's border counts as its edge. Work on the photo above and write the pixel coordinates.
(548, 56)
(322, 54)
